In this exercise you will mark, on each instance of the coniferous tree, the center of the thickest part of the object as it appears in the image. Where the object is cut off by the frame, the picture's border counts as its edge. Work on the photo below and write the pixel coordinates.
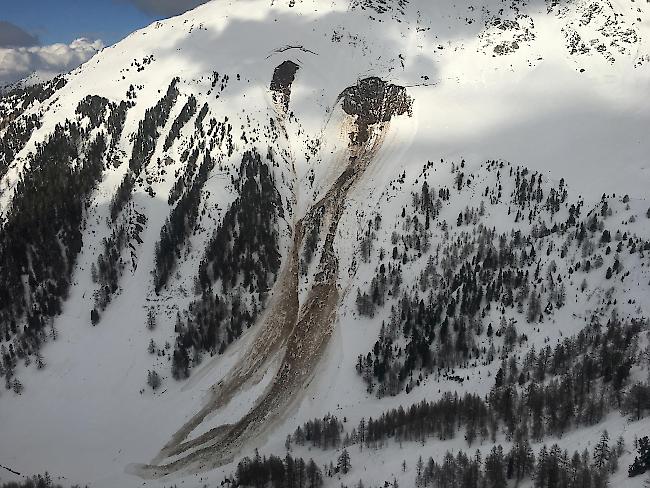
(641, 462)
(343, 462)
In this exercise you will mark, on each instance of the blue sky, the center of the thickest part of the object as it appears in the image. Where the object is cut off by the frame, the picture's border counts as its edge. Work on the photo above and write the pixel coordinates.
(55, 21)
(29, 28)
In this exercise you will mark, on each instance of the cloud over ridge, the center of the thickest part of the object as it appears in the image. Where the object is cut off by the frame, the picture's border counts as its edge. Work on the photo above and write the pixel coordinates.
(47, 61)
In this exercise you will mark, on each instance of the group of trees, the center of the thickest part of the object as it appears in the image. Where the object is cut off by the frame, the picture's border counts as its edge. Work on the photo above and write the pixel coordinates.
(186, 193)
(274, 472)
(442, 418)
(576, 383)
(42, 233)
(15, 127)
(198, 122)
(245, 245)
(180, 224)
(38, 481)
(41, 236)
(184, 175)
(312, 235)
(109, 267)
(14, 138)
(144, 145)
(323, 433)
(92, 107)
(153, 379)
(187, 112)
(551, 468)
(96, 108)
(240, 265)
(110, 262)
(439, 320)
(641, 462)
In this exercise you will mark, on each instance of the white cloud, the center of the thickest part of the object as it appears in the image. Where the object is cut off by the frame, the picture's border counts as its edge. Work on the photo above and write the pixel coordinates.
(46, 61)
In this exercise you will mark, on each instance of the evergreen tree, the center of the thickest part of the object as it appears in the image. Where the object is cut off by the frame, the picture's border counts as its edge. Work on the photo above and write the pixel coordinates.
(495, 468)
(153, 380)
(343, 462)
(151, 319)
(601, 451)
(522, 458)
(314, 475)
(641, 462)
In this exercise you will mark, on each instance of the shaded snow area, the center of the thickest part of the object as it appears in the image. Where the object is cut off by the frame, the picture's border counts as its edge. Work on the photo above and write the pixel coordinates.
(261, 213)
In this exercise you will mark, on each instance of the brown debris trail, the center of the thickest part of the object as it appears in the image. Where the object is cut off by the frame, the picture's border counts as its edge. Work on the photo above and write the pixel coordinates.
(301, 331)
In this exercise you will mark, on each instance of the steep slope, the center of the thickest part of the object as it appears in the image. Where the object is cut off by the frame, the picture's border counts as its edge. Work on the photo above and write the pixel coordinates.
(231, 205)
(305, 327)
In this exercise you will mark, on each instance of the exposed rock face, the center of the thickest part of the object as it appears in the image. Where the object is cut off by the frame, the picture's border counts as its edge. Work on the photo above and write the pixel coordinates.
(283, 78)
(374, 101)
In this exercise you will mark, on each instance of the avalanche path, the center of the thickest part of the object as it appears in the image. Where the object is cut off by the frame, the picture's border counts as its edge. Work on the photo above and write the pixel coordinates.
(301, 331)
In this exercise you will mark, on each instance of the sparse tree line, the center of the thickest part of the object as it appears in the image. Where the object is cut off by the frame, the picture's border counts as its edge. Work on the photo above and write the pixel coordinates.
(478, 270)
(19, 128)
(38, 481)
(110, 263)
(17, 100)
(438, 321)
(14, 138)
(551, 468)
(187, 193)
(180, 225)
(274, 472)
(217, 133)
(219, 83)
(144, 146)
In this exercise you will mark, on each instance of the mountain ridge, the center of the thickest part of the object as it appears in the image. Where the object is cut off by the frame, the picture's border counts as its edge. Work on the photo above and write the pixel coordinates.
(154, 198)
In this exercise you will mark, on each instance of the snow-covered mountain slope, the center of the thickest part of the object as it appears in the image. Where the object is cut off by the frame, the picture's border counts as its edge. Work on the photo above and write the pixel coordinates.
(261, 212)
